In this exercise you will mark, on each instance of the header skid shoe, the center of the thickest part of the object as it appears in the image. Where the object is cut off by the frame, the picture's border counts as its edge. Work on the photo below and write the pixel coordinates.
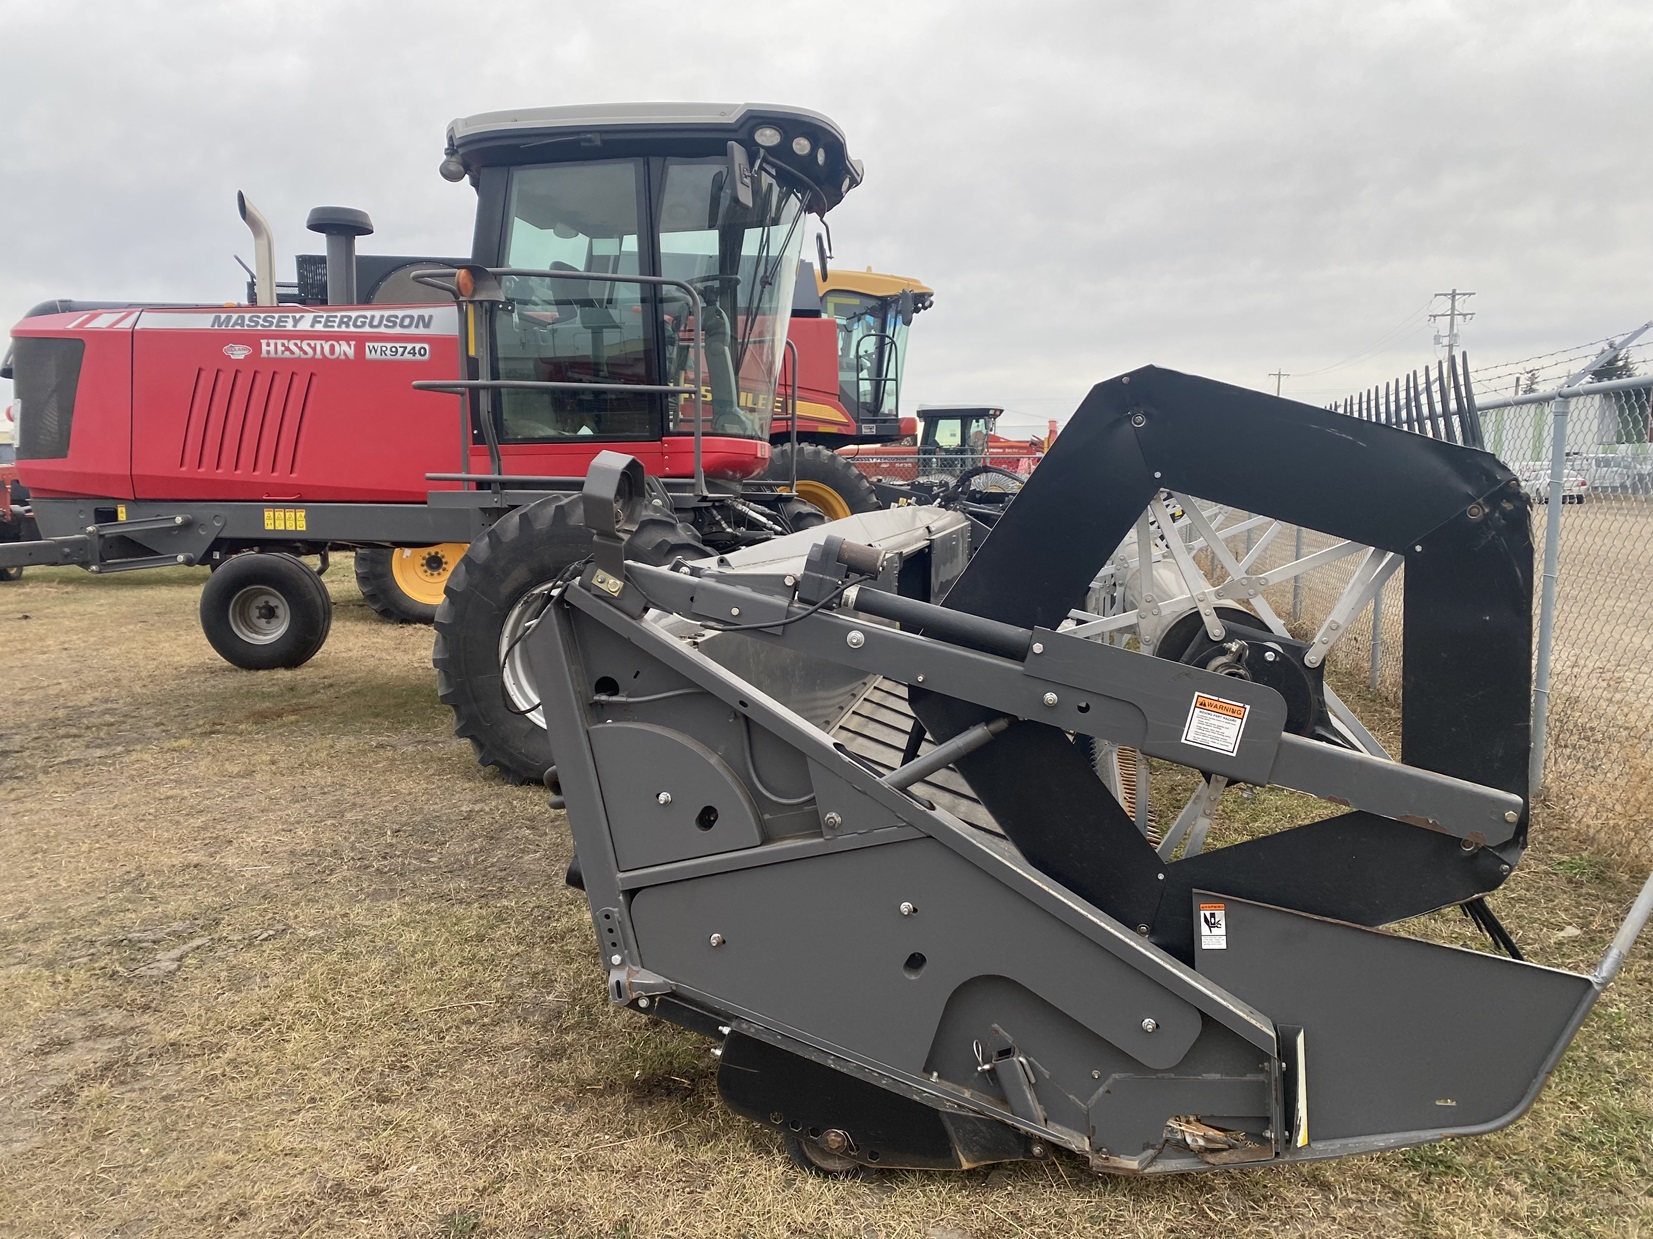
(835, 805)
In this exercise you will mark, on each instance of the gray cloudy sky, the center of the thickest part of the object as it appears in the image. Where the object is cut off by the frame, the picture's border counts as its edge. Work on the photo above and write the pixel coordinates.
(1222, 187)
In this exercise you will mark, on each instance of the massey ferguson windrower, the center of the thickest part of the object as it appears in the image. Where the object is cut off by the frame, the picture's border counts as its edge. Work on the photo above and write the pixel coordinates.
(835, 805)
(629, 284)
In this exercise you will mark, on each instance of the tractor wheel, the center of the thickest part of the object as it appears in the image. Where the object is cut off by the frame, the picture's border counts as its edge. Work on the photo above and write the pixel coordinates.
(494, 596)
(825, 479)
(404, 584)
(263, 610)
(11, 574)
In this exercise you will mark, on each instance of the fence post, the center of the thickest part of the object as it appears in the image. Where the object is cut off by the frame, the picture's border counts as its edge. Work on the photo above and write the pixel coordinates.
(1546, 605)
(1297, 580)
(1377, 637)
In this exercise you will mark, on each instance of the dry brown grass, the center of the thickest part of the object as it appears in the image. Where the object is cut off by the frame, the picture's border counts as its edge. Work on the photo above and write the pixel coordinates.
(396, 1024)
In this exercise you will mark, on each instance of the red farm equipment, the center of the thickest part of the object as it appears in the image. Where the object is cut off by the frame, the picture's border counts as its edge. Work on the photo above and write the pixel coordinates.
(629, 285)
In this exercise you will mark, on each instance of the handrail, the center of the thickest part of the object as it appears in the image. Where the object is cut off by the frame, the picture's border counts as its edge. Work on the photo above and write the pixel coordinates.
(490, 432)
(792, 415)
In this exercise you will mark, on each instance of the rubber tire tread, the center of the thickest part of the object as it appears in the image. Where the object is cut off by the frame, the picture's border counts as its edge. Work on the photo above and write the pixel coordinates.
(307, 599)
(377, 581)
(525, 548)
(826, 468)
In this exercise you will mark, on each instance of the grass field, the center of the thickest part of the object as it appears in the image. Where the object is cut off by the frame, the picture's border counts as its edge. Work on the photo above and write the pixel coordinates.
(276, 958)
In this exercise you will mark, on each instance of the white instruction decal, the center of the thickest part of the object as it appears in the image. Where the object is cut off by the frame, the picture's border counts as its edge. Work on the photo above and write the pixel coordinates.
(1215, 724)
(1213, 927)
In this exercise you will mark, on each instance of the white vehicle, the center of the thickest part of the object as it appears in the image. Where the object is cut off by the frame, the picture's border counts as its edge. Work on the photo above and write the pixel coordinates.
(1535, 481)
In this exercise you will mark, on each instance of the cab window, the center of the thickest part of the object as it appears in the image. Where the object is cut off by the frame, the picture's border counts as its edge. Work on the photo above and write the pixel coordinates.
(554, 328)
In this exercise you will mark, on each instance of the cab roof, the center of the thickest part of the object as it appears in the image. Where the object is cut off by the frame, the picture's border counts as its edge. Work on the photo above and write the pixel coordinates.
(807, 143)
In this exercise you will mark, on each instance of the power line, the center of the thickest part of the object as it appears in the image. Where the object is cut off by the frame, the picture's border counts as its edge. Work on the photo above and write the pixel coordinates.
(1452, 314)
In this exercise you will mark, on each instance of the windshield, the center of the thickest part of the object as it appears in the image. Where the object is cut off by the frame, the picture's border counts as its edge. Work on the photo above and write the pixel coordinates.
(743, 263)
(872, 345)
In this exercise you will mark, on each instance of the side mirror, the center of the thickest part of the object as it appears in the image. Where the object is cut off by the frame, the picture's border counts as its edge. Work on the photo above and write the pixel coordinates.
(820, 258)
(736, 188)
(904, 307)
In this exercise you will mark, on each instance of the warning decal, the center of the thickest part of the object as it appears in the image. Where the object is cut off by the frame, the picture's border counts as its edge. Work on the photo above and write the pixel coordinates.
(1213, 927)
(284, 519)
(1215, 724)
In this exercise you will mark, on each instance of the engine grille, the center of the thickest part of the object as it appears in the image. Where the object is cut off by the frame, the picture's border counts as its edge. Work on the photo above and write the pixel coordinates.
(46, 374)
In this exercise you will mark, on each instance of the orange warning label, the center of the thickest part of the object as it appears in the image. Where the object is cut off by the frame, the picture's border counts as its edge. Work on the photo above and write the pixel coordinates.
(1231, 708)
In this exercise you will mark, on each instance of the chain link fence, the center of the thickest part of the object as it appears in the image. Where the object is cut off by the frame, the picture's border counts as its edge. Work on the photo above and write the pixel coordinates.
(1591, 446)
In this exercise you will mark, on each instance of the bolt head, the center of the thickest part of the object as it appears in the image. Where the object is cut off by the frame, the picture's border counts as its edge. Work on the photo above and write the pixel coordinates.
(1050, 699)
(734, 610)
(1150, 1025)
(833, 820)
(664, 798)
(1268, 656)
(616, 960)
(1138, 420)
(643, 1002)
(1512, 817)
(183, 559)
(716, 940)
(1038, 647)
(908, 909)
(1096, 1075)
(855, 639)
(919, 678)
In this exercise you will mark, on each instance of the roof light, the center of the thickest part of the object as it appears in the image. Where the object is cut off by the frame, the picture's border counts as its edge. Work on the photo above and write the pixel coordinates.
(766, 135)
(802, 145)
(820, 155)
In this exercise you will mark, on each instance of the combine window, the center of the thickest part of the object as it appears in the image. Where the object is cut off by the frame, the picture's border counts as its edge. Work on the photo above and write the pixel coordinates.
(574, 218)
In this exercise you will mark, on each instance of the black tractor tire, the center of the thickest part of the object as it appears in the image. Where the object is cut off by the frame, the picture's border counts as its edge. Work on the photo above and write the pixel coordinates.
(377, 577)
(265, 610)
(825, 479)
(11, 574)
(481, 672)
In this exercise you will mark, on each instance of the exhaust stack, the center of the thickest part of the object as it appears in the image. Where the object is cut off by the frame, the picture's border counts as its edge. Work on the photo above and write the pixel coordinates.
(263, 250)
(341, 226)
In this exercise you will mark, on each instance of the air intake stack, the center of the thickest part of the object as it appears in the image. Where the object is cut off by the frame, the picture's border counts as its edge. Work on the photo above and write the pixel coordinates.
(341, 226)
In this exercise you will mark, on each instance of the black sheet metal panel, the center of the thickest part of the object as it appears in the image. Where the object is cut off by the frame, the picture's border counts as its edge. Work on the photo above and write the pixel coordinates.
(822, 944)
(1373, 484)
(1356, 867)
(1402, 1038)
(1466, 692)
(669, 797)
(786, 1092)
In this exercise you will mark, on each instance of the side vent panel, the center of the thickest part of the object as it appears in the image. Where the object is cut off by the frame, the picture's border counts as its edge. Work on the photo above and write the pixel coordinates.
(245, 423)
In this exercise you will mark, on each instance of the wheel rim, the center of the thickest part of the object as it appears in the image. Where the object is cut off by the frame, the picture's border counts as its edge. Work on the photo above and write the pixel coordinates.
(834, 505)
(516, 676)
(259, 615)
(421, 572)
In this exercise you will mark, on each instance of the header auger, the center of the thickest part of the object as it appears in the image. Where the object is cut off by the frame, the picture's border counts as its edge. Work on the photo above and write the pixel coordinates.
(835, 806)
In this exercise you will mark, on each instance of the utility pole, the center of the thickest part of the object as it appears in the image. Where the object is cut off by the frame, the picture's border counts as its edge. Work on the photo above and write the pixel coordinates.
(1453, 316)
(1278, 376)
